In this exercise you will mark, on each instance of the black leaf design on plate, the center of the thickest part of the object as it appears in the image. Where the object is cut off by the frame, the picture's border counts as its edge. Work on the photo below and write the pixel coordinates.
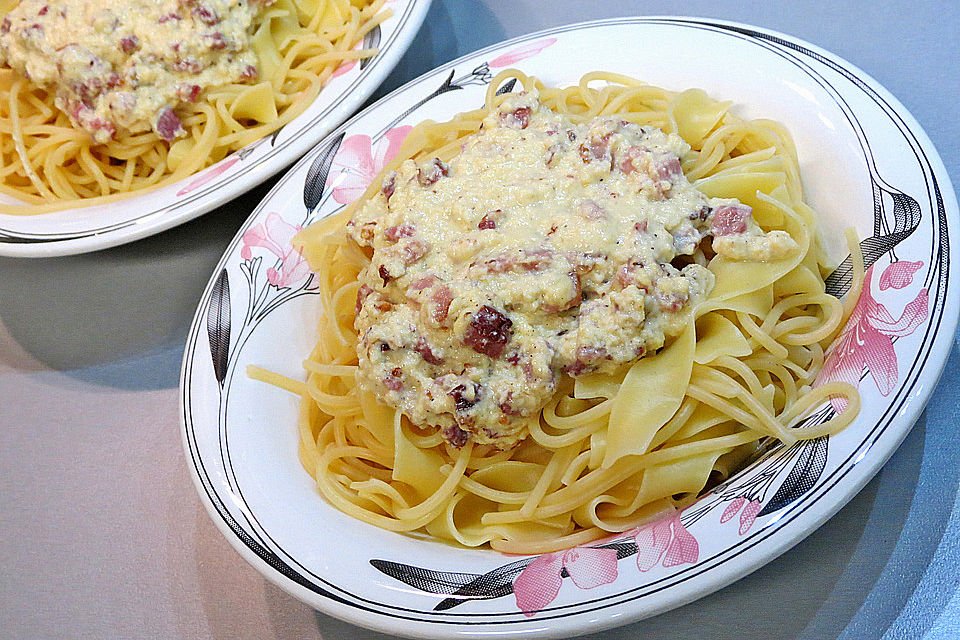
(464, 587)
(218, 326)
(507, 86)
(493, 584)
(370, 41)
(906, 219)
(804, 474)
(425, 579)
(316, 180)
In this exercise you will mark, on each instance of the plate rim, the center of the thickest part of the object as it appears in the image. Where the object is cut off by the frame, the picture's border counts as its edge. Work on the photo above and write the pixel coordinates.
(815, 516)
(39, 244)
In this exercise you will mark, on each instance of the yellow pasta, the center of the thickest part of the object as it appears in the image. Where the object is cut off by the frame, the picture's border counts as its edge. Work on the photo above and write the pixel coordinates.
(613, 451)
(50, 165)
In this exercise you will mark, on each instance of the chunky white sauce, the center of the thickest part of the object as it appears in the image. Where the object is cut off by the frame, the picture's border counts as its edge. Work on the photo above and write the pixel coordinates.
(127, 64)
(544, 248)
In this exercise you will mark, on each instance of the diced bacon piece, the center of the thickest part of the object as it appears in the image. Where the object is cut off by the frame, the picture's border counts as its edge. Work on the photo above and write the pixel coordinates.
(536, 259)
(590, 210)
(426, 353)
(596, 149)
(629, 274)
(442, 297)
(428, 175)
(129, 44)
(389, 185)
(362, 294)
(587, 359)
(189, 65)
(506, 408)
(401, 231)
(641, 226)
(87, 91)
(170, 16)
(729, 219)
(188, 92)
(384, 274)
(465, 395)
(413, 251)
(519, 118)
(456, 436)
(667, 166)
(5, 26)
(423, 282)
(101, 130)
(393, 381)
(168, 124)
(633, 159)
(205, 14)
(215, 40)
(488, 332)
(486, 222)
(250, 73)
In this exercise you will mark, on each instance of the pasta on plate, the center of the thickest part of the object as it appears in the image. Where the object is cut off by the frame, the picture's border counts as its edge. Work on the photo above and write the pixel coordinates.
(100, 101)
(411, 417)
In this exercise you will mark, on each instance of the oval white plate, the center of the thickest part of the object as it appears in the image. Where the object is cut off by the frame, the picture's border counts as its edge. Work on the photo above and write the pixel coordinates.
(865, 163)
(86, 229)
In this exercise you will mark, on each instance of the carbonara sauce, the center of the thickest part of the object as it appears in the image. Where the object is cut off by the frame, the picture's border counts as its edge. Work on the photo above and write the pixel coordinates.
(543, 248)
(127, 64)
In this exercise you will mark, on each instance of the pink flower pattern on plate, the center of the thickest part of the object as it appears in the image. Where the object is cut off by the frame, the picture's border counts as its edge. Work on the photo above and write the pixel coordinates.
(358, 161)
(899, 274)
(539, 583)
(275, 234)
(215, 171)
(866, 340)
(521, 53)
(344, 68)
(748, 515)
(665, 542)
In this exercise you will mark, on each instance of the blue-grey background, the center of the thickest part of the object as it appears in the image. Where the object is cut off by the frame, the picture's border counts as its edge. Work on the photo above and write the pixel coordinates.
(102, 536)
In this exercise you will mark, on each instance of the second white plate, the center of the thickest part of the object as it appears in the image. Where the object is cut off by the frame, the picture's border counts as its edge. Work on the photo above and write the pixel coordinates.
(84, 229)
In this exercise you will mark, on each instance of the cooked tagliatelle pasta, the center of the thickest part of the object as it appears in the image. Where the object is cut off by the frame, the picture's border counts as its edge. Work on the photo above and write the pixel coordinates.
(100, 100)
(564, 315)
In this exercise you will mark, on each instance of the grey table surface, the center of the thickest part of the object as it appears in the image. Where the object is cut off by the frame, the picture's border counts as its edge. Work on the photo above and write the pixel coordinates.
(103, 536)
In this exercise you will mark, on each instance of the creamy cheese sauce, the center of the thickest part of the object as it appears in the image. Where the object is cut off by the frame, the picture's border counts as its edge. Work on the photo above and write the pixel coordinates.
(544, 248)
(127, 64)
